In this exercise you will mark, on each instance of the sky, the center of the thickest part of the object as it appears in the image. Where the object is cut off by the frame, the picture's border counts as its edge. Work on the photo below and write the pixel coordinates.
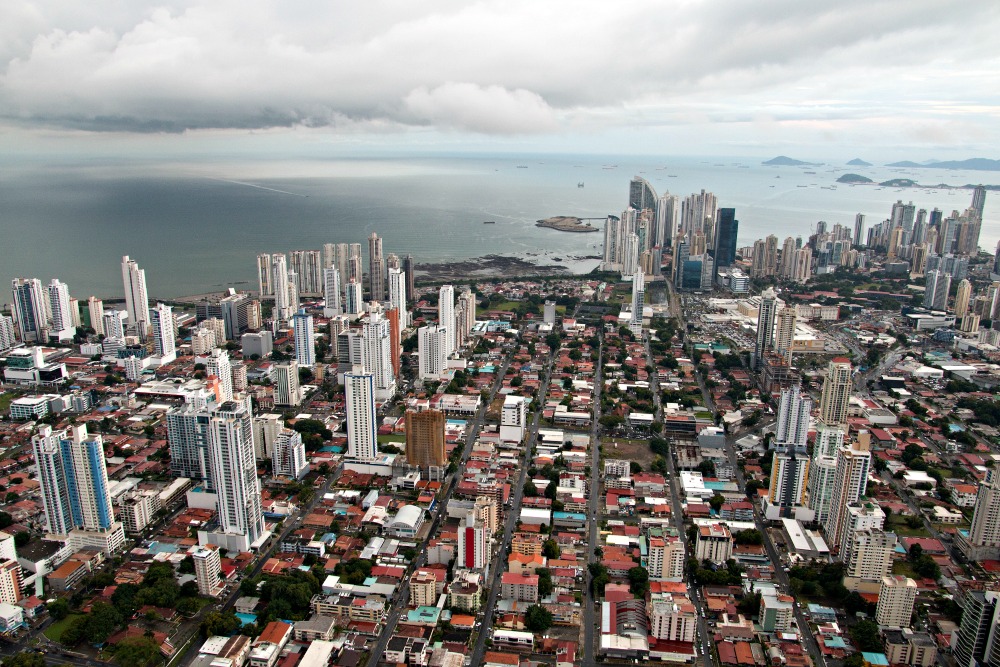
(884, 80)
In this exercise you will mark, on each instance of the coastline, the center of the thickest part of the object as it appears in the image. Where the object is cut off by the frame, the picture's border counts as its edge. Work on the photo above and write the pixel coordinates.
(566, 223)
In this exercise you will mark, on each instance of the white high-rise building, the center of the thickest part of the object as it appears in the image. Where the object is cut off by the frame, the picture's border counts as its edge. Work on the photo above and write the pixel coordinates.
(30, 309)
(331, 292)
(850, 483)
(474, 542)
(95, 308)
(376, 268)
(638, 302)
(234, 470)
(673, 619)
(355, 303)
(266, 429)
(362, 424)
(938, 285)
(289, 456)
(895, 601)
(823, 470)
(265, 275)
(513, 418)
(468, 300)
(73, 479)
(207, 570)
(432, 355)
(218, 365)
(115, 324)
(859, 516)
(793, 419)
(74, 312)
(162, 320)
(187, 436)
(666, 559)
(836, 392)
(136, 297)
(305, 339)
(286, 384)
(784, 340)
(398, 296)
(789, 479)
(279, 283)
(376, 354)
(871, 559)
(985, 529)
(446, 315)
(765, 326)
(8, 339)
(62, 327)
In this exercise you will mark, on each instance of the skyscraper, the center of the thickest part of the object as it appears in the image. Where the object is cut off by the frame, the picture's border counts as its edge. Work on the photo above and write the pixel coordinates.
(978, 640)
(765, 326)
(895, 601)
(432, 353)
(850, 483)
(288, 457)
(425, 438)
(785, 338)
(187, 436)
(638, 302)
(859, 229)
(836, 392)
(362, 425)
(73, 479)
(409, 272)
(95, 309)
(937, 286)
(136, 297)
(331, 292)
(397, 295)
(823, 470)
(8, 339)
(985, 529)
(279, 281)
(962, 298)
(30, 311)
(162, 320)
(789, 470)
(668, 210)
(305, 339)
(355, 303)
(376, 268)
(446, 315)
(726, 230)
(265, 280)
(217, 365)
(286, 384)
(234, 470)
(641, 194)
(376, 354)
(61, 311)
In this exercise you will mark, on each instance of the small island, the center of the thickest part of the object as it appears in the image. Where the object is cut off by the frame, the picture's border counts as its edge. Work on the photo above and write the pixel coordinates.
(785, 161)
(899, 183)
(854, 178)
(566, 223)
(858, 162)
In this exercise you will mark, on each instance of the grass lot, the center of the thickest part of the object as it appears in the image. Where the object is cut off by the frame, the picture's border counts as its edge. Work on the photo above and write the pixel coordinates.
(6, 399)
(945, 472)
(898, 525)
(56, 630)
(392, 438)
(633, 450)
(903, 567)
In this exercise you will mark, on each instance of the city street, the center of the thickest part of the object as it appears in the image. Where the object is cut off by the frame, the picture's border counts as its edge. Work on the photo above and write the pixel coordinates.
(590, 629)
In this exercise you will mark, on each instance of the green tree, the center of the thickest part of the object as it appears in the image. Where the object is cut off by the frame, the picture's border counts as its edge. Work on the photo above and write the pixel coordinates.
(865, 635)
(638, 579)
(219, 623)
(537, 619)
(5, 520)
(58, 609)
(137, 652)
(544, 581)
(550, 549)
(24, 659)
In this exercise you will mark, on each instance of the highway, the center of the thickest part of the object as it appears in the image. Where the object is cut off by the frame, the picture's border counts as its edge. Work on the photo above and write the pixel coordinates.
(590, 628)
(401, 599)
(517, 491)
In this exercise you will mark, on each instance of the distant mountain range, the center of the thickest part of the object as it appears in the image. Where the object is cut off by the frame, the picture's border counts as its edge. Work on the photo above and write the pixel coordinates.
(972, 164)
(785, 161)
(858, 162)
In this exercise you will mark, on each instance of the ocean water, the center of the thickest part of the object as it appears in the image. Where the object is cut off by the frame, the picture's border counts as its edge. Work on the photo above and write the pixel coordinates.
(197, 227)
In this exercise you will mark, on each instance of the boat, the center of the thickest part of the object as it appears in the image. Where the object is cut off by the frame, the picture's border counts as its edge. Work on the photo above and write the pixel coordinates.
(489, 222)
(671, 175)
(580, 184)
(522, 166)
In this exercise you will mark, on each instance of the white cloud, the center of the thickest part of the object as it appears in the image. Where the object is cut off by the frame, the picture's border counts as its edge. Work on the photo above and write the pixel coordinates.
(503, 66)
